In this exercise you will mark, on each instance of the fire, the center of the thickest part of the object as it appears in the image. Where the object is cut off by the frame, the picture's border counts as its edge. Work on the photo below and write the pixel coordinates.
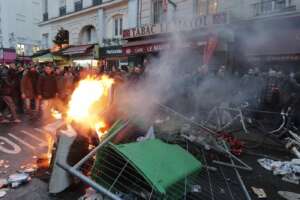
(88, 101)
(100, 129)
(44, 160)
(56, 114)
(50, 141)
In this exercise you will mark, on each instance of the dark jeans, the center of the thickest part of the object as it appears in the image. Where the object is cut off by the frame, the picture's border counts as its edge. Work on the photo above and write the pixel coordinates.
(11, 106)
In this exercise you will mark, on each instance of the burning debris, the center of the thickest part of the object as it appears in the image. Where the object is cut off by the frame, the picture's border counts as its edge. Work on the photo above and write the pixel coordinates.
(89, 101)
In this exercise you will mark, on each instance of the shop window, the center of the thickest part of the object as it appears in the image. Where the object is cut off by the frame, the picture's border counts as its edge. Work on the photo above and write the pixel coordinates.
(157, 11)
(118, 25)
(35, 49)
(20, 49)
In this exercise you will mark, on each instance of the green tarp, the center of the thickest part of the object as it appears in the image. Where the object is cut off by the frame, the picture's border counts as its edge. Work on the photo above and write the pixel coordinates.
(49, 57)
(161, 164)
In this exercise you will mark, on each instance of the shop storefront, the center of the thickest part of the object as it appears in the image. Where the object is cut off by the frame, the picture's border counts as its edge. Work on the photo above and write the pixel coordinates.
(112, 56)
(82, 55)
(7, 56)
(265, 44)
(23, 59)
(49, 58)
(144, 43)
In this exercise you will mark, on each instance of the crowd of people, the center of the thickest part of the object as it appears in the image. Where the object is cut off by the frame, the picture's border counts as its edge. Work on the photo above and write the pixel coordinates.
(32, 89)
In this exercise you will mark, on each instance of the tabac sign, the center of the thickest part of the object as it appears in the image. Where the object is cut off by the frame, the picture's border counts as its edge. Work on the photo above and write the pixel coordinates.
(177, 26)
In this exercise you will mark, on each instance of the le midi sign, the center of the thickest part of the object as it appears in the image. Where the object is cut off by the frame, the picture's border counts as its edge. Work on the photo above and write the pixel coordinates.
(176, 26)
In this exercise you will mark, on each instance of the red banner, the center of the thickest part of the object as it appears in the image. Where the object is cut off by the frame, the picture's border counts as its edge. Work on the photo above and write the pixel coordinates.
(209, 49)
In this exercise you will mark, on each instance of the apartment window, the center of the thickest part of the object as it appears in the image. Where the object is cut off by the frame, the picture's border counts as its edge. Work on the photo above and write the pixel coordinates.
(62, 7)
(78, 5)
(201, 7)
(89, 34)
(157, 11)
(45, 6)
(45, 10)
(45, 40)
(282, 4)
(213, 6)
(20, 49)
(97, 2)
(266, 6)
(118, 25)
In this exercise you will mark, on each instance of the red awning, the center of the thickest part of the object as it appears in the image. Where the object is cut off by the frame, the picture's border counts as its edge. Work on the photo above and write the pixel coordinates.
(145, 42)
(8, 56)
(75, 50)
(155, 45)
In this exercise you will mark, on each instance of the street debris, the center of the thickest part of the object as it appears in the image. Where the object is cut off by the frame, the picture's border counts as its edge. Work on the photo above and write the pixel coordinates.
(259, 192)
(91, 194)
(3, 193)
(289, 169)
(15, 180)
(289, 195)
(149, 135)
(28, 168)
(235, 145)
(3, 183)
(196, 188)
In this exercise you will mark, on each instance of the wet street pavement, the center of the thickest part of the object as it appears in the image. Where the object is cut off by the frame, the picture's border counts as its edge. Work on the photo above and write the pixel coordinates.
(20, 145)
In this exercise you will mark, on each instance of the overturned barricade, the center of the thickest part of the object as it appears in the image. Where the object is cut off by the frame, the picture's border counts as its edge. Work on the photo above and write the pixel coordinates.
(151, 169)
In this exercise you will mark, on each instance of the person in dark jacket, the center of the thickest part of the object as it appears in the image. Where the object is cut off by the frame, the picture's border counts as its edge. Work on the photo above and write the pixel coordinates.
(6, 92)
(47, 91)
(29, 90)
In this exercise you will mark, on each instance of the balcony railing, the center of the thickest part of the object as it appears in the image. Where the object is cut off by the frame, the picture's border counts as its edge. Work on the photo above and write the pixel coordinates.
(45, 16)
(273, 6)
(62, 11)
(78, 5)
(97, 2)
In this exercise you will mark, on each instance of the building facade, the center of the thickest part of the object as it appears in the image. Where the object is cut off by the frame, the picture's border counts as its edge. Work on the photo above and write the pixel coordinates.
(19, 31)
(87, 22)
(196, 21)
(138, 29)
(251, 29)
(269, 35)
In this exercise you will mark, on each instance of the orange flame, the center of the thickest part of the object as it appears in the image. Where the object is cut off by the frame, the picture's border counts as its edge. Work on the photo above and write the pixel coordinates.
(101, 129)
(56, 114)
(50, 141)
(88, 101)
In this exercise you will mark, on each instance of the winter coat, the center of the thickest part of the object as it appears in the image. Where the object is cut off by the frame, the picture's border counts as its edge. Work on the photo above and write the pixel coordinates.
(60, 84)
(68, 84)
(6, 87)
(27, 87)
(47, 86)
